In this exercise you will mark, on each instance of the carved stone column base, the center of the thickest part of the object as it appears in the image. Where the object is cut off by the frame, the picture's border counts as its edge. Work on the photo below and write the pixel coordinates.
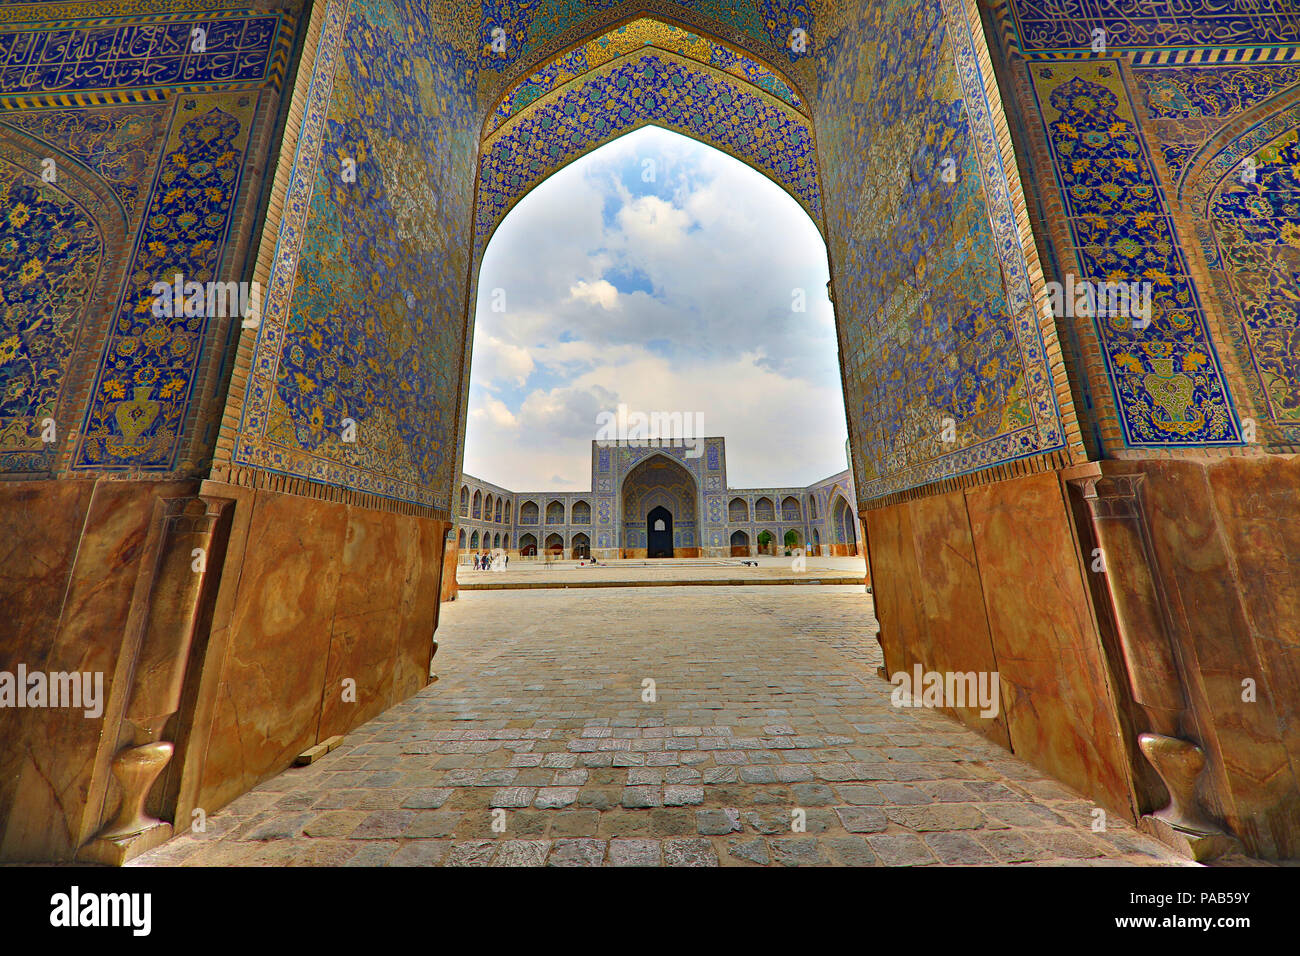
(1194, 846)
(114, 851)
(1181, 825)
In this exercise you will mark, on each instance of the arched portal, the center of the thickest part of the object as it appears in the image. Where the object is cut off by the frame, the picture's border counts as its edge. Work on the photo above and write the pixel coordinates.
(554, 545)
(660, 482)
(1252, 264)
(844, 526)
(57, 237)
(527, 545)
(618, 78)
(645, 72)
(739, 544)
(659, 533)
(580, 547)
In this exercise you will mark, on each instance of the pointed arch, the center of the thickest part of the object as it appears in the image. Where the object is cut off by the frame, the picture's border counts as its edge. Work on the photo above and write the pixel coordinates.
(659, 481)
(580, 546)
(71, 301)
(644, 85)
(1238, 222)
(643, 29)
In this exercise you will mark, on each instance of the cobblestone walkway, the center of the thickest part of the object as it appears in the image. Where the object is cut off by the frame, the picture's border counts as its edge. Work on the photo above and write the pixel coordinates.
(767, 703)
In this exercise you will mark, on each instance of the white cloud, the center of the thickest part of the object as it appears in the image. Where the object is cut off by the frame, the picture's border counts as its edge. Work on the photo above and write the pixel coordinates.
(599, 293)
(676, 298)
(495, 412)
(497, 360)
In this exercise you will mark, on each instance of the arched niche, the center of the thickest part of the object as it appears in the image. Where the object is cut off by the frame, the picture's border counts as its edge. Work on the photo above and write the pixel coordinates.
(62, 237)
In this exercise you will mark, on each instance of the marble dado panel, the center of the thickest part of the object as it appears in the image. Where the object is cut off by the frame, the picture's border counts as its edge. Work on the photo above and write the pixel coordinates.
(956, 589)
(1227, 560)
(70, 559)
(311, 594)
(315, 593)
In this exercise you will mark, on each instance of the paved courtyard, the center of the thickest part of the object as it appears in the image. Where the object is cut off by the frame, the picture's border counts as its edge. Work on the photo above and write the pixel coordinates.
(537, 573)
(536, 746)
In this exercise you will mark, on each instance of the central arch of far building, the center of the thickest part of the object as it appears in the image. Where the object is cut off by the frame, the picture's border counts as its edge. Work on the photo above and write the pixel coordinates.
(659, 511)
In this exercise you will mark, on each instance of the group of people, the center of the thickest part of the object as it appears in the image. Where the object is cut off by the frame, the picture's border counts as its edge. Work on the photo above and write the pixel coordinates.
(483, 561)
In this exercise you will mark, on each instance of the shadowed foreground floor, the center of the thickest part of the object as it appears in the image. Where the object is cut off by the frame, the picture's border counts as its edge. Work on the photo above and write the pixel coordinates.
(767, 703)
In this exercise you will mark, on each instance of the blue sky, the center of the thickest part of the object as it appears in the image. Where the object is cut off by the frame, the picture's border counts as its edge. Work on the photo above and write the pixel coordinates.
(660, 273)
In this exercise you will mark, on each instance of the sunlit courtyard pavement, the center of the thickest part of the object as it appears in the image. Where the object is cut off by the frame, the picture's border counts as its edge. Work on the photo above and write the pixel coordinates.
(536, 746)
(538, 572)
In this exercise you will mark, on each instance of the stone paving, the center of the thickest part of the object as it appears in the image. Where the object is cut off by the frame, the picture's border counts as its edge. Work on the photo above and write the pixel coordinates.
(536, 747)
(533, 573)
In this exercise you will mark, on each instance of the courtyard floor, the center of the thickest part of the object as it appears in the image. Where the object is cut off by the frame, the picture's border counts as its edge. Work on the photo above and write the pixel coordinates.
(538, 573)
(766, 703)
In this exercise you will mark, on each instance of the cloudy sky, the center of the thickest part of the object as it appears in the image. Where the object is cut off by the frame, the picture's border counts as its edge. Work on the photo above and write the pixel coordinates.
(659, 273)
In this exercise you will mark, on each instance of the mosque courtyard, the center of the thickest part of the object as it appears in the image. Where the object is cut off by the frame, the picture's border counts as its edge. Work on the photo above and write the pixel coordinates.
(766, 738)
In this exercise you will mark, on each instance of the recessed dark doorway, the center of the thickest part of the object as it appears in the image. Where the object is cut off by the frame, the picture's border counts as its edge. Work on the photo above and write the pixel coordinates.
(659, 533)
